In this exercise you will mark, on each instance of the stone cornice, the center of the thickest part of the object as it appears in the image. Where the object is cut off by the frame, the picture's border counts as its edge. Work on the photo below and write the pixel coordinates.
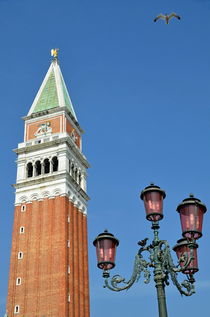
(40, 180)
(40, 146)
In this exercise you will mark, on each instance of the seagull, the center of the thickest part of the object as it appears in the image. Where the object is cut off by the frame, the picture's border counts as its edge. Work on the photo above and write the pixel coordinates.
(167, 17)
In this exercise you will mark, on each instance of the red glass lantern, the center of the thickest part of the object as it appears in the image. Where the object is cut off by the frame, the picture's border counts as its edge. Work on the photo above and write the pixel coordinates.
(153, 201)
(191, 212)
(106, 245)
(184, 250)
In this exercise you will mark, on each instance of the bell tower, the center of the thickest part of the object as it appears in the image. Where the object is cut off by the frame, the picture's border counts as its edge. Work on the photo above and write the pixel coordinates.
(49, 257)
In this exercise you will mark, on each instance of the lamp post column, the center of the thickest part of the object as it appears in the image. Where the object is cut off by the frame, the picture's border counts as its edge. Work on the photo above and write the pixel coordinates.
(158, 274)
(160, 293)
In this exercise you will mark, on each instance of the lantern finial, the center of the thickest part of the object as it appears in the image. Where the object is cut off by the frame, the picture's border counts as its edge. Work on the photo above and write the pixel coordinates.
(106, 245)
(191, 212)
(153, 197)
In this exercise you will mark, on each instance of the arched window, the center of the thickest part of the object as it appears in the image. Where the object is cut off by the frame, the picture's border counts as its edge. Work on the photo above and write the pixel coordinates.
(80, 179)
(46, 166)
(18, 281)
(72, 170)
(54, 164)
(75, 174)
(22, 229)
(20, 255)
(38, 168)
(23, 208)
(29, 170)
(17, 309)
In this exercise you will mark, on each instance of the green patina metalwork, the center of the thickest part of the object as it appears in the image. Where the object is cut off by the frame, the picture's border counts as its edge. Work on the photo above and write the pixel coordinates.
(67, 98)
(161, 261)
(49, 96)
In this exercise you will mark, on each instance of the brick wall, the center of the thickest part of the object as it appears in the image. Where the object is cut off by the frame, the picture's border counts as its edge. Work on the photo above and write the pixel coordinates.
(46, 282)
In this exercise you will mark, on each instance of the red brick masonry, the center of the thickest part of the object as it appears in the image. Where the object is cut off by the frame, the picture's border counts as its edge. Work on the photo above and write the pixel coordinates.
(46, 285)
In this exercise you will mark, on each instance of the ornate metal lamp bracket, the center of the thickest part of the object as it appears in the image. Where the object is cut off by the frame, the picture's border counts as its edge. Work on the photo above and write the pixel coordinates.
(161, 260)
(187, 286)
(140, 265)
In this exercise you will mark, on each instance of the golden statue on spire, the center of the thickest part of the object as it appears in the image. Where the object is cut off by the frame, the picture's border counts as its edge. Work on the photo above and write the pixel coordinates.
(54, 52)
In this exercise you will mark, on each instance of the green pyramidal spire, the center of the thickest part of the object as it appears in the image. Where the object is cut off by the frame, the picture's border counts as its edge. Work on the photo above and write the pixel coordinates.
(53, 92)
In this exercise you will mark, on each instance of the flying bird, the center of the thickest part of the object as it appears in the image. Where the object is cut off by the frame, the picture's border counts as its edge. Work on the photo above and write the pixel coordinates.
(167, 17)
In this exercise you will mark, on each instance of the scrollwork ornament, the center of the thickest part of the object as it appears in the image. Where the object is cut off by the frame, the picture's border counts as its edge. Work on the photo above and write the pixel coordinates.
(159, 255)
(140, 265)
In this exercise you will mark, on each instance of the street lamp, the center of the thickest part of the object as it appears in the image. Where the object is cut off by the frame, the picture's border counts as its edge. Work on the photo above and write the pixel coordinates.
(191, 212)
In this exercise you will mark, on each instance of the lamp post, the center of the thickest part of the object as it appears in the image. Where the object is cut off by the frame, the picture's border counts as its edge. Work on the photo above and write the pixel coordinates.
(191, 212)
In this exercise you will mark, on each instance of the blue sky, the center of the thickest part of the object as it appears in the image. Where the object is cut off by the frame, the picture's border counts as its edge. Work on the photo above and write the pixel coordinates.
(141, 91)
